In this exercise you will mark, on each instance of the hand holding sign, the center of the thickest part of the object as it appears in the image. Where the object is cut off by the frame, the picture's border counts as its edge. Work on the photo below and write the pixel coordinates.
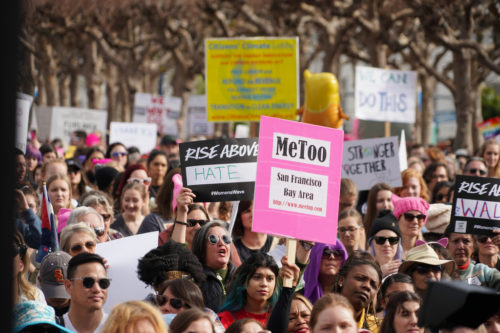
(184, 199)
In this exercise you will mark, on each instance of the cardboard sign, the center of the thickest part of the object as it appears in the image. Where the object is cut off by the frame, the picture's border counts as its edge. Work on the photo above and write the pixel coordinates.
(60, 122)
(23, 106)
(197, 123)
(385, 95)
(160, 110)
(122, 256)
(220, 170)
(298, 180)
(142, 136)
(371, 161)
(250, 77)
(476, 205)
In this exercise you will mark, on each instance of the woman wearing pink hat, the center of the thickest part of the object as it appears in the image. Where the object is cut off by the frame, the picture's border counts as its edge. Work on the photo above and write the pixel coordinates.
(411, 213)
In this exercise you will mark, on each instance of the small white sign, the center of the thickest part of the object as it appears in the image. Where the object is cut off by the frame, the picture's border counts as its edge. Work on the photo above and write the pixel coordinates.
(23, 106)
(197, 116)
(301, 149)
(160, 110)
(299, 192)
(385, 95)
(142, 136)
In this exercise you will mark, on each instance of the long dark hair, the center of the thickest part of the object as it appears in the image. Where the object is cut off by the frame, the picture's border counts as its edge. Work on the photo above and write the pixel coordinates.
(165, 195)
(186, 290)
(238, 229)
(395, 303)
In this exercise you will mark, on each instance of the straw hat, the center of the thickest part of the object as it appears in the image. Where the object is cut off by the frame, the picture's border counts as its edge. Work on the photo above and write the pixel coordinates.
(424, 254)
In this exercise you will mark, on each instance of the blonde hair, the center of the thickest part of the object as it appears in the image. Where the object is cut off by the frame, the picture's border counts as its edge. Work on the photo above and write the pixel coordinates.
(46, 165)
(72, 229)
(329, 300)
(24, 286)
(123, 317)
(64, 178)
(490, 142)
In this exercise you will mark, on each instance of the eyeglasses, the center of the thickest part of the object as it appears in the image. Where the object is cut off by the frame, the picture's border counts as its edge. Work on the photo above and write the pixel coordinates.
(476, 171)
(380, 240)
(306, 245)
(441, 196)
(214, 239)
(410, 217)
(145, 181)
(90, 245)
(20, 249)
(176, 303)
(106, 217)
(343, 230)
(483, 239)
(99, 231)
(327, 253)
(194, 222)
(425, 269)
(88, 282)
(115, 154)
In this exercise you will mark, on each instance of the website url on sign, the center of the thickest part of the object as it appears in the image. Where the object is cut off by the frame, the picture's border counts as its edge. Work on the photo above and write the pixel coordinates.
(295, 205)
(214, 193)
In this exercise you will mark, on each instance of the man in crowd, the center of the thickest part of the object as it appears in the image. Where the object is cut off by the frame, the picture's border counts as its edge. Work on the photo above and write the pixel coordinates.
(475, 166)
(87, 284)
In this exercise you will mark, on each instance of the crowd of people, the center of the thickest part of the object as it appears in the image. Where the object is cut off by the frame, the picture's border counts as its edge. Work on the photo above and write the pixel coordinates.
(207, 277)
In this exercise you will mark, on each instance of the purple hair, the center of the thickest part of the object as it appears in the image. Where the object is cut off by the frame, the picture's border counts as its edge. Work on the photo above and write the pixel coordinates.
(312, 288)
(32, 151)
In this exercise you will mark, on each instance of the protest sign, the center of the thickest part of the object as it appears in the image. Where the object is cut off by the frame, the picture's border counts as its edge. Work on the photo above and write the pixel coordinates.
(298, 180)
(250, 77)
(142, 136)
(403, 155)
(385, 95)
(122, 256)
(160, 110)
(220, 170)
(60, 122)
(476, 205)
(371, 161)
(23, 106)
(197, 123)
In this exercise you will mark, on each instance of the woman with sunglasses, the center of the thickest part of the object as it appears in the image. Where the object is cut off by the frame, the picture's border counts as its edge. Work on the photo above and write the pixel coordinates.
(358, 280)
(254, 291)
(321, 273)
(486, 250)
(77, 178)
(423, 265)
(100, 201)
(411, 213)
(246, 241)
(136, 173)
(90, 217)
(118, 152)
(212, 246)
(384, 242)
(133, 199)
(77, 238)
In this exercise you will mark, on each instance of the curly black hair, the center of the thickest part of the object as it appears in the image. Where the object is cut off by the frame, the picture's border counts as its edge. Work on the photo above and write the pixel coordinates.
(153, 268)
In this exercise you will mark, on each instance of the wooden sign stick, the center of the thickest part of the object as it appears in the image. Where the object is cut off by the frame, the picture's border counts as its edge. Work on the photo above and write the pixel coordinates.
(387, 129)
(291, 250)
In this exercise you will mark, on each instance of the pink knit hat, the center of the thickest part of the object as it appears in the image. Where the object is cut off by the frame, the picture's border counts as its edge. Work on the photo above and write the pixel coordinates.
(402, 205)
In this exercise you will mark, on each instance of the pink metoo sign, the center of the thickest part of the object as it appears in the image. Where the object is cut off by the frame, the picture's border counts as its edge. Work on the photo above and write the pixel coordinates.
(298, 180)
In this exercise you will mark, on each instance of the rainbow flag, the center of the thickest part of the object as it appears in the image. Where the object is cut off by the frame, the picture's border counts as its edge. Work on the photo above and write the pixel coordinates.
(489, 128)
(49, 241)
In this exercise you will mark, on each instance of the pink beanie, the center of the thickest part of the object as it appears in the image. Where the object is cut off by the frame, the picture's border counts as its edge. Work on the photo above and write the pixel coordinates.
(402, 205)
(92, 140)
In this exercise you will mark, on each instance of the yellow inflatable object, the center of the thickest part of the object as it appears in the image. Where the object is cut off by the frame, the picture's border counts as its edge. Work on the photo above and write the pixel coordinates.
(322, 101)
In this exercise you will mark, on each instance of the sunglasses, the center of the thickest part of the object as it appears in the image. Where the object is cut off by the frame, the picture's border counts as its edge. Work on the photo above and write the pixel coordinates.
(380, 240)
(20, 249)
(176, 303)
(90, 245)
(88, 282)
(475, 171)
(306, 245)
(483, 239)
(344, 230)
(425, 269)
(410, 217)
(145, 181)
(106, 217)
(441, 197)
(115, 154)
(194, 222)
(214, 239)
(327, 253)
(99, 231)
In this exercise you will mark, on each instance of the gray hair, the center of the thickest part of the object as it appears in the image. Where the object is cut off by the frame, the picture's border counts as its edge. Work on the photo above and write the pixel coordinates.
(96, 198)
(70, 230)
(200, 238)
(80, 212)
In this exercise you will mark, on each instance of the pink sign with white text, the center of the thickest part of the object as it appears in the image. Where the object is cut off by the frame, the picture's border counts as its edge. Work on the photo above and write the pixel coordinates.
(298, 180)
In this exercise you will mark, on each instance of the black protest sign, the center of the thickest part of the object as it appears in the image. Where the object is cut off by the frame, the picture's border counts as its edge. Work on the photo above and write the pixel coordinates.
(476, 205)
(220, 170)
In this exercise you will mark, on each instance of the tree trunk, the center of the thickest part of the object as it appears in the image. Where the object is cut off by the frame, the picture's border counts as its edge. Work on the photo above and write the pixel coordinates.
(73, 88)
(64, 96)
(477, 138)
(112, 91)
(428, 85)
(464, 103)
(93, 76)
(49, 73)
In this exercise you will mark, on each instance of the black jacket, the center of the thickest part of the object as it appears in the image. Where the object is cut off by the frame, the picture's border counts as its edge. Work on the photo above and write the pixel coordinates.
(213, 289)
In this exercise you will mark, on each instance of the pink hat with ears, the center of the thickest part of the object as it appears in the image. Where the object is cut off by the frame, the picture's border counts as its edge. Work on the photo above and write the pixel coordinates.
(177, 179)
(443, 242)
(92, 140)
(403, 205)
